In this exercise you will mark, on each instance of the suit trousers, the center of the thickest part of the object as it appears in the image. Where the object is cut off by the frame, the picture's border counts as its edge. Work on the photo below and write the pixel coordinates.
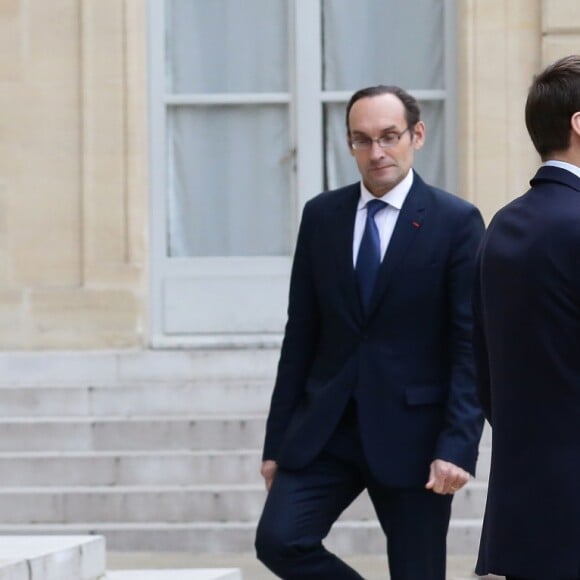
(302, 506)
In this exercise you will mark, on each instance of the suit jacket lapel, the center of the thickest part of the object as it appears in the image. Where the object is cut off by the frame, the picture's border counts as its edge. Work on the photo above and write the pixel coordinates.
(408, 225)
(343, 230)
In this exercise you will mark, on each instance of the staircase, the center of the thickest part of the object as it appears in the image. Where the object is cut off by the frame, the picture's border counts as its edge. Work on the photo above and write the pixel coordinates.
(157, 451)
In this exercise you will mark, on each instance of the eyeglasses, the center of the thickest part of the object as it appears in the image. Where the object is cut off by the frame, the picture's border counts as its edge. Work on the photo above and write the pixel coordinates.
(386, 141)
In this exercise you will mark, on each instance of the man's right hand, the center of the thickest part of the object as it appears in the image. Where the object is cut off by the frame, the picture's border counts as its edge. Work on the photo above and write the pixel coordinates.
(268, 471)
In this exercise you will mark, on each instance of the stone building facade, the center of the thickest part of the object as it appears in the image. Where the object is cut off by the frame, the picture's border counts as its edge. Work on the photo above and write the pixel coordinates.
(74, 162)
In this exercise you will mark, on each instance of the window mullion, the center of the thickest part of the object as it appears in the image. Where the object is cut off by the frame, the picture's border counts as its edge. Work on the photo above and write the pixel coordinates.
(308, 110)
(227, 99)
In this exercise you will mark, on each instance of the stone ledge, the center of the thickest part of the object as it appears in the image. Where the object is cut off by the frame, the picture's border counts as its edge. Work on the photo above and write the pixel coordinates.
(52, 557)
(82, 558)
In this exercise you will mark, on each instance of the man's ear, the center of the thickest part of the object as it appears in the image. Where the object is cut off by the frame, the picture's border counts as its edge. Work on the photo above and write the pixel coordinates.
(575, 123)
(419, 132)
(350, 149)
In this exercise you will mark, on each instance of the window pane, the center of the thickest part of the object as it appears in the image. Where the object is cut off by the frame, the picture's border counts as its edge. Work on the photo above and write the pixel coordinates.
(229, 181)
(227, 46)
(341, 167)
(370, 42)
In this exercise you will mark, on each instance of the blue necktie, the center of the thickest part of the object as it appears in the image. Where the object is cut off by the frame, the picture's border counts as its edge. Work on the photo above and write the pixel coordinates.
(368, 260)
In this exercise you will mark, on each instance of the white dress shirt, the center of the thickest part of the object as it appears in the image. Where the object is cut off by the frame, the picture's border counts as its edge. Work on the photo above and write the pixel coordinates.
(385, 219)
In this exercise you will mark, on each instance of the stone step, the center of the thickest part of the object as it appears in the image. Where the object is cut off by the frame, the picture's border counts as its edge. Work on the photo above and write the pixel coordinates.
(369, 566)
(132, 433)
(235, 537)
(483, 463)
(98, 441)
(52, 557)
(102, 468)
(201, 397)
(180, 467)
(174, 504)
(165, 574)
(468, 503)
(127, 367)
(486, 436)
(131, 504)
(135, 432)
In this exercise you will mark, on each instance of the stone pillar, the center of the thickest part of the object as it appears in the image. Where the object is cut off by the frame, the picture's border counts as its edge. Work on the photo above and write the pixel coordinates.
(73, 184)
(499, 52)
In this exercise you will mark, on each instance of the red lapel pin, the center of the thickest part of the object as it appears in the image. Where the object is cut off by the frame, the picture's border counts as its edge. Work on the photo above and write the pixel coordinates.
(416, 224)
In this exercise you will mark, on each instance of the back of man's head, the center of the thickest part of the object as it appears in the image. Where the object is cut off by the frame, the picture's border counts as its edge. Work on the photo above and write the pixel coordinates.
(552, 100)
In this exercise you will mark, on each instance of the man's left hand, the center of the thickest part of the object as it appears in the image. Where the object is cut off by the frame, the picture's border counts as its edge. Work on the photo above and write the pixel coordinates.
(445, 477)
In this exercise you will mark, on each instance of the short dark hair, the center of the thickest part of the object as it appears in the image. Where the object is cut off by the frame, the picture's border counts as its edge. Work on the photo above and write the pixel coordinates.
(553, 98)
(412, 110)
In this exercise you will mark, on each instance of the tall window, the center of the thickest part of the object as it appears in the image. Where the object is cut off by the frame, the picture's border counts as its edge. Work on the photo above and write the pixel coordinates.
(227, 127)
(247, 111)
(371, 42)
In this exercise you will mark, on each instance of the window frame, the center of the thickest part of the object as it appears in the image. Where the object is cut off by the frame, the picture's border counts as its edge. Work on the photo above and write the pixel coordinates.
(306, 101)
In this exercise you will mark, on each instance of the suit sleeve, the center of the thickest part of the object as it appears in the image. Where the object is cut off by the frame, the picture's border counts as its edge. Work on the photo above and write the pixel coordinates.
(479, 343)
(299, 344)
(459, 440)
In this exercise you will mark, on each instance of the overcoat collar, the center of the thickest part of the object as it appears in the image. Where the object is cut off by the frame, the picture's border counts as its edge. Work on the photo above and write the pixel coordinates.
(549, 173)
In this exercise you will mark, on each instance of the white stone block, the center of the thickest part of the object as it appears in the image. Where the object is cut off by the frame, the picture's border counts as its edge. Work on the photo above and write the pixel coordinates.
(52, 557)
(14, 570)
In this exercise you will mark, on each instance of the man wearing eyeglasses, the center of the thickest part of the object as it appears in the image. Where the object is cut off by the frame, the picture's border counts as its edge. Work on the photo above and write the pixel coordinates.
(375, 387)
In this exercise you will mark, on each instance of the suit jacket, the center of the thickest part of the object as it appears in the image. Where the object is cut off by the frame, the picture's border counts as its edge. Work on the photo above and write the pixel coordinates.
(527, 346)
(408, 363)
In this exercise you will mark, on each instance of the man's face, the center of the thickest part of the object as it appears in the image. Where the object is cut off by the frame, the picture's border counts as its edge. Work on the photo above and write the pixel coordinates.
(382, 116)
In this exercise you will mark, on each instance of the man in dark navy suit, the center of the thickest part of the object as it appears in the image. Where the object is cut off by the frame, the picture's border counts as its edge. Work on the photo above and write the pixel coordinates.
(527, 347)
(375, 386)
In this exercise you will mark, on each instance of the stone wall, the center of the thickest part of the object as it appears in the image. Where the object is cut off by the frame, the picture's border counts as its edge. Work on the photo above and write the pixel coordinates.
(73, 164)
(73, 153)
(500, 51)
(560, 29)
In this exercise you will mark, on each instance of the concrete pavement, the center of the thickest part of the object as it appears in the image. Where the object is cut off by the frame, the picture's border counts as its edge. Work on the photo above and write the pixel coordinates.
(370, 567)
